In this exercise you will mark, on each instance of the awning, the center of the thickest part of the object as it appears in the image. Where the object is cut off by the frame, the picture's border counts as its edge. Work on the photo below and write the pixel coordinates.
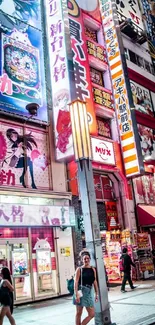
(146, 215)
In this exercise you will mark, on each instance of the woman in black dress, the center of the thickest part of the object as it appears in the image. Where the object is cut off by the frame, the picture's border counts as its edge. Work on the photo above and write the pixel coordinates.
(85, 279)
(6, 295)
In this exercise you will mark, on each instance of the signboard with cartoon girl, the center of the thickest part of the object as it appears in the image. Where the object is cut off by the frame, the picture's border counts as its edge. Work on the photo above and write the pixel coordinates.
(23, 157)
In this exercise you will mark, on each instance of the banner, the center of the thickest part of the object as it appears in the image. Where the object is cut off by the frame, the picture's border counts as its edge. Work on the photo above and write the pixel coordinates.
(112, 215)
(80, 60)
(24, 157)
(22, 79)
(142, 99)
(35, 215)
(59, 79)
(123, 112)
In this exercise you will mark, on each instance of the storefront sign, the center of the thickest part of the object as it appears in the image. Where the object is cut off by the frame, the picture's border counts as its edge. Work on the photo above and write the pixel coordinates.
(147, 141)
(91, 34)
(96, 51)
(112, 215)
(143, 240)
(120, 92)
(65, 251)
(80, 61)
(104, 128)
(129, 9)
(102, 97)
(22, 79)
(103, 151)
(59, 79)
(34, 215)
(24, 160)
(141, 98)
(96, 76)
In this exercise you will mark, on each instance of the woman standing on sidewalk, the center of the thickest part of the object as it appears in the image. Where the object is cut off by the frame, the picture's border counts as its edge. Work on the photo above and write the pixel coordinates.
(85, 279)
(6, 296)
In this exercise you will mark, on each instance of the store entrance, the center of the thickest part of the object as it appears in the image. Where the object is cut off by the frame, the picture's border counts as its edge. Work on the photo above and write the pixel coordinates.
(14, 253)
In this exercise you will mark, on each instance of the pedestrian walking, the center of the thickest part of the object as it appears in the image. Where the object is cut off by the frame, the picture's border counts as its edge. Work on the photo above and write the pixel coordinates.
(6, 296)
(126, 268)
(85, 280)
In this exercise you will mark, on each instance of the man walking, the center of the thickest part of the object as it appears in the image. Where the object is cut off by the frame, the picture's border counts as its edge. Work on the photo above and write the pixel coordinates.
(126, 263)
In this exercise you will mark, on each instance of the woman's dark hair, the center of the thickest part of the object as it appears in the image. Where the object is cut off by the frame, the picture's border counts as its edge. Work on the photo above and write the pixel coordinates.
(6, 274)
(84, 253)
(27, 139)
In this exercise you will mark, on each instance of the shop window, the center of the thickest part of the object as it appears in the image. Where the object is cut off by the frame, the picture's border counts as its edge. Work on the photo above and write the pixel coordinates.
(104, 128)
(90, 33)
(102, 215)
(96, 77)
(147, 66)
(140, 62)
(132, 57)
(98, 187)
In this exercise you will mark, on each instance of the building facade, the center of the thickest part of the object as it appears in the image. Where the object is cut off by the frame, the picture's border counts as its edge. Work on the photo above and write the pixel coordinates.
(36, 217)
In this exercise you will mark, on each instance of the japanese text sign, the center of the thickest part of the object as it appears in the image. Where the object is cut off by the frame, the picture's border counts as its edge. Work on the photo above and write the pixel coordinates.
(130, 9)
(102, 97)
(80, 61)
(96, 50)
(102, 151)
(59, 79)
(120, 92)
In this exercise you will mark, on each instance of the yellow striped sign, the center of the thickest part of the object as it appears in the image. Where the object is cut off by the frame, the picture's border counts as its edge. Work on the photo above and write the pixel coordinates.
(123, 113)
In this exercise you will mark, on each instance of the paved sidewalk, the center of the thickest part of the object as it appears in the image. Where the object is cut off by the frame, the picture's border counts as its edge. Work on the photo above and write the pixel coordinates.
(132, 308)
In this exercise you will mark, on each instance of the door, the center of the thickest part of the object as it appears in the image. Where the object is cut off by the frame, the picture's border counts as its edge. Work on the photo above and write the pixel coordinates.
(64, 244)
(14, 253)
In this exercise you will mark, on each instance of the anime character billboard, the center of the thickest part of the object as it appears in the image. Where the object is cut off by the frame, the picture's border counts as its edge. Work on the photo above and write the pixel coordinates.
(21, 53)
(23, 157)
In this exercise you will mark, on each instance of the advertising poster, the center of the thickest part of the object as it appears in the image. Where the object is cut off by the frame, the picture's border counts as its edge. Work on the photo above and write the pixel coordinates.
(144, 188)
(59, 79)
(22, 79)
(147, 141)
(24, 157)
(35, 215)
(19, 262)
(130, 9)
(112, 215)
(44, 261)
(80, 58)
(104, 128)
(149, 21)
(142, 99)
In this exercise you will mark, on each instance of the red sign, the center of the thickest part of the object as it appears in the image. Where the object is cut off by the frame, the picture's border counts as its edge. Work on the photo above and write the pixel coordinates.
(80, 61)
(112, 215)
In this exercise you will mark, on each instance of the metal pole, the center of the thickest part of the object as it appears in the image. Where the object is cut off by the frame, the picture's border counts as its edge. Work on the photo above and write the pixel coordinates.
(93, 240)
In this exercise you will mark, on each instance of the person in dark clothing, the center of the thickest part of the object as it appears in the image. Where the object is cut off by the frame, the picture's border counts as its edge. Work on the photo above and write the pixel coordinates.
(127, 262)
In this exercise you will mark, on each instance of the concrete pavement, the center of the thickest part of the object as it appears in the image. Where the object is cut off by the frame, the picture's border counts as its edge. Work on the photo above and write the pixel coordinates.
(131, 308)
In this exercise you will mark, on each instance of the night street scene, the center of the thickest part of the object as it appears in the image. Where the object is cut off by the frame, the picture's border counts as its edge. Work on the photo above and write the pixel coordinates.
(77, 162)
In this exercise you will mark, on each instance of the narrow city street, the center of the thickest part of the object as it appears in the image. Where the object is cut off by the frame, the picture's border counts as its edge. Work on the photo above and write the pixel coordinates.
(132, 308)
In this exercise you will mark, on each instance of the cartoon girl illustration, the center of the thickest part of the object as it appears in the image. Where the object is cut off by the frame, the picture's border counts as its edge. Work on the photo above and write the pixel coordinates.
(63, 125)
(18, 13)
(20, 146)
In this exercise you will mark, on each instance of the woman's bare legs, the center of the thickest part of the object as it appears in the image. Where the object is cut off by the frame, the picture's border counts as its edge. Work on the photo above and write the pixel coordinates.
(5, 311)
(79, 310)
(10, 317)
(91, 314)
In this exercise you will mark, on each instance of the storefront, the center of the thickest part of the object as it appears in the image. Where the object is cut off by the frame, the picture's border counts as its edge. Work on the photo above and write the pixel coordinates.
(36, 244)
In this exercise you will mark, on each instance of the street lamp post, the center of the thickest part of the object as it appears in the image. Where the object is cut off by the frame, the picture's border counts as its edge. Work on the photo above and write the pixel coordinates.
(83, 156)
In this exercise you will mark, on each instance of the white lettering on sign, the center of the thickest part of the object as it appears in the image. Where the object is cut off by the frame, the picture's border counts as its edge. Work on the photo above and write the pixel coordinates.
(103, 151)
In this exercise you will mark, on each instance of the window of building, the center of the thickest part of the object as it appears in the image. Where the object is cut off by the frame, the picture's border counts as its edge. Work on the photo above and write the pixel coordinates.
(140, 62)
(126, 52)
(147, 66)
(132, 56)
